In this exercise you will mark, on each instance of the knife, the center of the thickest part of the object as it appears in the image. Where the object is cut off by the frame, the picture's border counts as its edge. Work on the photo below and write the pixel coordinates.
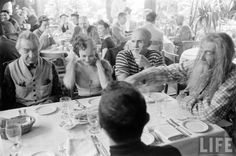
(176, 127)
(96, 145)
(186, 131)
(104, 151)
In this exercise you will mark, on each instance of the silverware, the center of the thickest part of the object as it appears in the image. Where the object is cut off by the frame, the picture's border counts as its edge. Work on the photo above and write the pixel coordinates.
(80, 104)
(95, 144)
(101, 146)
(19, 112)
(25, 112)
(156, 136)
(185, 130)
(177, 128)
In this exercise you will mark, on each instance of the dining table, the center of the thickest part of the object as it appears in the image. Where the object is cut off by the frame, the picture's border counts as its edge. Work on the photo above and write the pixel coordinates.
(47, 134)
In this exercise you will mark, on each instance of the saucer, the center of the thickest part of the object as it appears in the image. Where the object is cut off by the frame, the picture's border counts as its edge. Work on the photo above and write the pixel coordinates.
(46, 110)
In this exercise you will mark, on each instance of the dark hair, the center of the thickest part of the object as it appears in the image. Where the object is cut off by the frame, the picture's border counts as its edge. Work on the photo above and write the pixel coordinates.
(101, 22)
(122, 111)
(64, 15)
(80, 42)
(41, 19)
(74, 14)
(121, 14)
(6, 11)
(151, 16)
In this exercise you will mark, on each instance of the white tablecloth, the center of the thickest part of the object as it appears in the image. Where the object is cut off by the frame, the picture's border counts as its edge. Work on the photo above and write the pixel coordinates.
(47, 135)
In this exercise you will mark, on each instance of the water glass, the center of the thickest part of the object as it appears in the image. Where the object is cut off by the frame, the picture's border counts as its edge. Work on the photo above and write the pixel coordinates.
(92, 116)
(13, 132)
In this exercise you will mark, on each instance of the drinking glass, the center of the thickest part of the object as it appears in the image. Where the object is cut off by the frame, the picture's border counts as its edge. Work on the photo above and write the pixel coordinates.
(13, 132)
(66, 109)
(92, 116)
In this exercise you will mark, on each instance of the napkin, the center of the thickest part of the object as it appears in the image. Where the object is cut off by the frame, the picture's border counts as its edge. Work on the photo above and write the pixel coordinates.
(80, 147)
(168, 132)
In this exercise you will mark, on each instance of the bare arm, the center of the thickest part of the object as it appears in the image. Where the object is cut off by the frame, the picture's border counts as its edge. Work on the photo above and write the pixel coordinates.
(161, 74)
(104, 72)
(69, 78)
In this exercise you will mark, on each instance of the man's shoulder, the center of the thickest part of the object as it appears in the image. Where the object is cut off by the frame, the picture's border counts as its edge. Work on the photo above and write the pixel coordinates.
(124, 53)
(164, 150)
(153, 53)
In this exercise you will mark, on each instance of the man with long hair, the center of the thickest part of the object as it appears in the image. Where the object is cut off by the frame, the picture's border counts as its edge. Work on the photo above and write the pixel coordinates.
(211, 84)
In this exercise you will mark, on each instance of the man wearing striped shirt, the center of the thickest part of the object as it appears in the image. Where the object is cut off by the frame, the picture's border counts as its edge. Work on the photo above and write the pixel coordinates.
(137, 57)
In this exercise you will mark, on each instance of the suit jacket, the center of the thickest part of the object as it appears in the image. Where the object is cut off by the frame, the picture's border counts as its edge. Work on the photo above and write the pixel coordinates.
(138, 148)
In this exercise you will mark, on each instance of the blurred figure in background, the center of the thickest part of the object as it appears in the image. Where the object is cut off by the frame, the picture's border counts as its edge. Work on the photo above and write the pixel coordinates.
(43, 33)
(93, 33)
(8, 53)
(5, 16)
(117, 6)
(104, 34)
(65, 25)
(157, 35)
(118, 29)
(84, 24)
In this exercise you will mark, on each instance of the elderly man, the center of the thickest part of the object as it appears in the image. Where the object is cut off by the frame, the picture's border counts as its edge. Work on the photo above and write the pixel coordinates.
(157, 35)
(30, 79)
(210, 79)
(123, 115)
(43, 33)
(137, 57)
(118, 29)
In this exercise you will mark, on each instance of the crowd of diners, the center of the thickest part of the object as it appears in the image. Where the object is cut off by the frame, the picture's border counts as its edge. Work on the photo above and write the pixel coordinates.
(116, 64)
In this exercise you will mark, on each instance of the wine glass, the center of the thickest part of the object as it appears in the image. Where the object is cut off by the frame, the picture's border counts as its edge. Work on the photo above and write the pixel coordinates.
(13, 132)
(92, 116)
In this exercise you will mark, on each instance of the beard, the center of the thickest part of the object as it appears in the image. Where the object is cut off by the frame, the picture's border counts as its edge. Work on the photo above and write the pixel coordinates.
(199, 77)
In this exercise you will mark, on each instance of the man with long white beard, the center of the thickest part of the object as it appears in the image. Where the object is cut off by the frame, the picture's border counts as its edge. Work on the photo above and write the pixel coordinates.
(210, 79)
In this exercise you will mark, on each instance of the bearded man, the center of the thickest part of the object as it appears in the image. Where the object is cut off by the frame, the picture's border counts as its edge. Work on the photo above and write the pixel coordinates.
(211, 79)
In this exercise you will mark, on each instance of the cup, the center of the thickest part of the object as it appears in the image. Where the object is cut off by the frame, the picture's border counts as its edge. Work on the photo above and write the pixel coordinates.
(92, 116)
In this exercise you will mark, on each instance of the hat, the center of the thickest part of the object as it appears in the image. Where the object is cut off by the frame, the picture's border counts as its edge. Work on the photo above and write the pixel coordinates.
(75, 14)
(64, 15)
(43, 18)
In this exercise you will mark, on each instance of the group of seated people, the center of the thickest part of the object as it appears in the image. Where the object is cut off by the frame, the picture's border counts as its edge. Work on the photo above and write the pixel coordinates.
(30, 79)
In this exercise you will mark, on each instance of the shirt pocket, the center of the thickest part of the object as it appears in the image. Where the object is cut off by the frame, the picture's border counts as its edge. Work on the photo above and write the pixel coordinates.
(45, 90)
(22, 91)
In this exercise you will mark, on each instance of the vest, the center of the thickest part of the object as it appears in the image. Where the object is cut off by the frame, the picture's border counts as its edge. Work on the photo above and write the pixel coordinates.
(30, 89)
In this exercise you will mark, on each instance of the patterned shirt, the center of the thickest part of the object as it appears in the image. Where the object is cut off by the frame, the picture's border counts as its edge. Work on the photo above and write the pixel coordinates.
(125, 62)
(219, 107)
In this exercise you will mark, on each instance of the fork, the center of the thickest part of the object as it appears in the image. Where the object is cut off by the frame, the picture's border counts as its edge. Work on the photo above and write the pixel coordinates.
(157, 137)
(80, 104)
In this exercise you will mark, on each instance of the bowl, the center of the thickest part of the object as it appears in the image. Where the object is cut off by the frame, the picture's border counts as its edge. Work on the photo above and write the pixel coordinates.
(25, 121)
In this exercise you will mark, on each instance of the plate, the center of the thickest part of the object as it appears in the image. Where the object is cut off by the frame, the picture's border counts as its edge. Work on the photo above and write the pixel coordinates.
(196, 126)
(45, 110)
(147, 138)
(43, 153)
(94, 101)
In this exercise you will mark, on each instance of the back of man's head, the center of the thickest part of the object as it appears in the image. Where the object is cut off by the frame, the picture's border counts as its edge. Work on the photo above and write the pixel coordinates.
(151, 17)
(122, 111)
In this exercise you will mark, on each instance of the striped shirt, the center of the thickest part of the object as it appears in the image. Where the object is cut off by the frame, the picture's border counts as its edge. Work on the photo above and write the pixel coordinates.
(125, 62)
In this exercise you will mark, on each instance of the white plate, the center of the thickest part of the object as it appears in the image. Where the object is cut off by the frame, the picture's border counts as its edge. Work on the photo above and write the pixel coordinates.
(147, 138)
(196, 126)
(45, 110)
(94, 101)
(44, 153)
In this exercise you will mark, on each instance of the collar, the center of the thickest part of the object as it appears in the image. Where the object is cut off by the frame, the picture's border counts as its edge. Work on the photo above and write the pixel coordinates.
(106, 36)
